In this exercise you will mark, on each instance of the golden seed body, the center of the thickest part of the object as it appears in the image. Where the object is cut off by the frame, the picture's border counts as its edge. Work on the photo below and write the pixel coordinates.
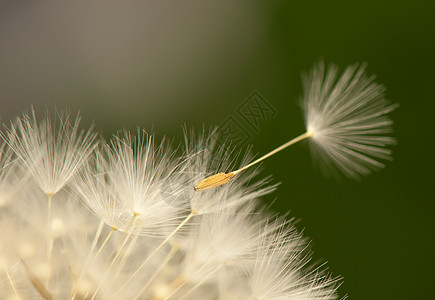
(213, 181)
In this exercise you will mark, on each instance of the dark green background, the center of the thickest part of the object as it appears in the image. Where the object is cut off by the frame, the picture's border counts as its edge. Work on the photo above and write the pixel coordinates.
(377, 233)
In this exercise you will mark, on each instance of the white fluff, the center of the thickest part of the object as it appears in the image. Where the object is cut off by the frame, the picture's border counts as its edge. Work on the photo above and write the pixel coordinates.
(51, 151)
(127, 224)
(132, 178)
(347, 116)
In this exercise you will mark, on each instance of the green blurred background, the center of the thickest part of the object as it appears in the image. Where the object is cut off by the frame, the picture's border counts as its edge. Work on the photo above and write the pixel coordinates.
(161, 64)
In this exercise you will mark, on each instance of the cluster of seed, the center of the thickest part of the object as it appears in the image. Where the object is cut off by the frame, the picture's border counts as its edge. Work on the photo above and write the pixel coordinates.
(83, 218)
(87, 219)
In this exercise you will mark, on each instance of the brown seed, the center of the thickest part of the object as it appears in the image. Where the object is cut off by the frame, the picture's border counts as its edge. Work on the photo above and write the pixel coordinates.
(213, 181)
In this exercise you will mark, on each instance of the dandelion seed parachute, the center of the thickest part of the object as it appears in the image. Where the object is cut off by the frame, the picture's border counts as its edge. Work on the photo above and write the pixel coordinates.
(51, 151)
(347, 116)
(133, 178)
(346, 121)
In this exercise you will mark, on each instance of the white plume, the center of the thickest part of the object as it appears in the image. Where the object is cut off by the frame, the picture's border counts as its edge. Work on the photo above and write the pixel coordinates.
(347, 117)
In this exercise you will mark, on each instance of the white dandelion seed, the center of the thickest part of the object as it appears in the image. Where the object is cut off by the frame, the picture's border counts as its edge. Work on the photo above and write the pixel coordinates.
(92, 188)
(346, 122)
(137, 176)
(50, 151)
(140, 172)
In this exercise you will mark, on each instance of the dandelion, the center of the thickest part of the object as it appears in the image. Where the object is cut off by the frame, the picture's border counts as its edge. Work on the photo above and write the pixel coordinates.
(50, 151)
(128, 179)
(347, 116)
(127, 224)
(346, 121)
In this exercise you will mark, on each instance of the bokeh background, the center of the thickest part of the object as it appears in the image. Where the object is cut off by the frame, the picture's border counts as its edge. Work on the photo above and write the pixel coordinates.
(162, 64)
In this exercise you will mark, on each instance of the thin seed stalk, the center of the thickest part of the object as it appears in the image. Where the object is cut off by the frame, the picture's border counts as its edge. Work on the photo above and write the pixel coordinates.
(159, 246)
(50, 240)
(202, 281)
(11, 282)
(156, 272)
(88, 258)
(119, 251)
(223, 178)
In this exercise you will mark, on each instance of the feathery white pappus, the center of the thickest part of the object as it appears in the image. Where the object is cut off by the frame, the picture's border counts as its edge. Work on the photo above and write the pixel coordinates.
(120, 220)
(52, 150)
(347, 117)
(130, 183)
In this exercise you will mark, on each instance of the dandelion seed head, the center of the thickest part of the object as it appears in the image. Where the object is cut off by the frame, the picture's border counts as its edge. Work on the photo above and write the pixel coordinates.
(126, 222)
